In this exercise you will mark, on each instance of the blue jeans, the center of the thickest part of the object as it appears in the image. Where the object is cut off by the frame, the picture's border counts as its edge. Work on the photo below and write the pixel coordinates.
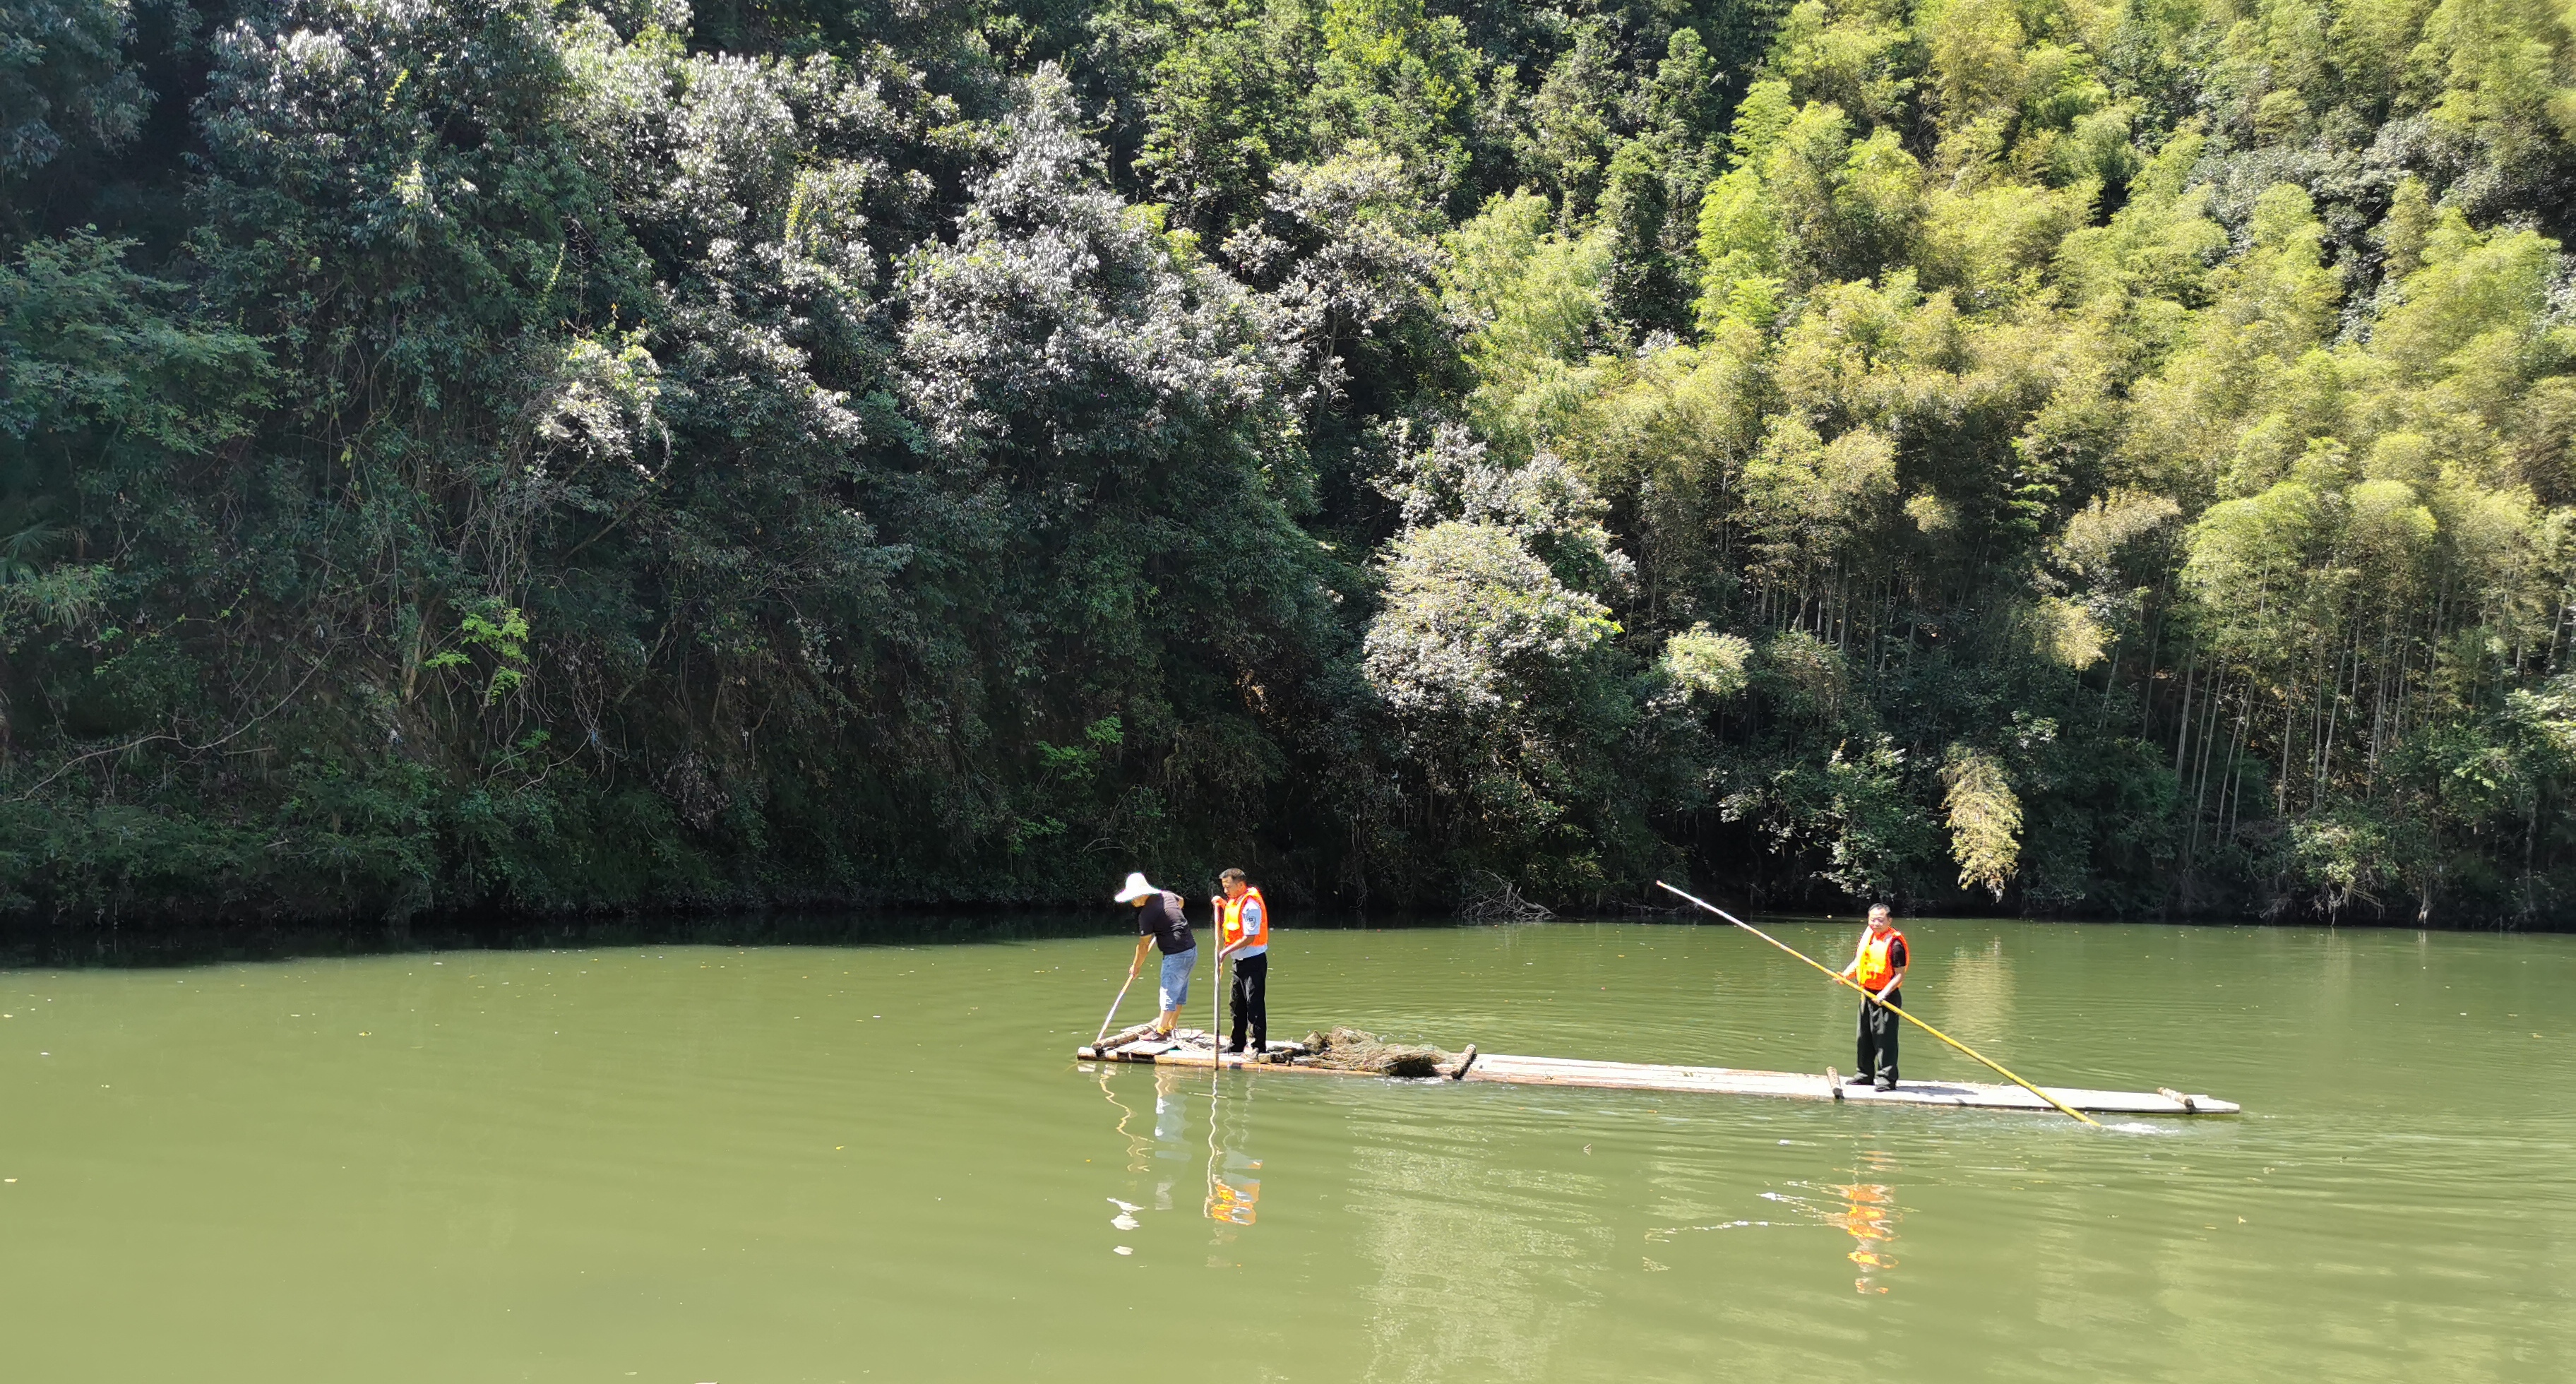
(1176, 977)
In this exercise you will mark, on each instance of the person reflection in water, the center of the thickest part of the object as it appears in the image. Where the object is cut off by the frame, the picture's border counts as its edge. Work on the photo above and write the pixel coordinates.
(1235, 1198)
(1234, 1177)
(1171, 1130)
(1869, 1214)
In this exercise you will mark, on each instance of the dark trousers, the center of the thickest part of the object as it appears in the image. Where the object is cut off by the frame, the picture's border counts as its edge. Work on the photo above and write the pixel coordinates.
(1251, 1000)
(1878, 1039)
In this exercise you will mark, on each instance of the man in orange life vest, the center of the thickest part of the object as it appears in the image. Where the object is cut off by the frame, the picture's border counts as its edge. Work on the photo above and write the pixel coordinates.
(1879, 968)
(1243, 935)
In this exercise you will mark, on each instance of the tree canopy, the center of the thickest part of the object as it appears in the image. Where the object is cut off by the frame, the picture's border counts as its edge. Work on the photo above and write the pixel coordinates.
(2101, 458)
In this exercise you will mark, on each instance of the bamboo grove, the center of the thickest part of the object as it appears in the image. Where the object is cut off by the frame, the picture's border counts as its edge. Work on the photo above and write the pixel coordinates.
(2078, 457)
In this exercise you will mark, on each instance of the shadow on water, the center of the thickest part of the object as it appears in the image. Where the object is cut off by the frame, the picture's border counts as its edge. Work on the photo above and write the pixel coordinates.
(27, 944)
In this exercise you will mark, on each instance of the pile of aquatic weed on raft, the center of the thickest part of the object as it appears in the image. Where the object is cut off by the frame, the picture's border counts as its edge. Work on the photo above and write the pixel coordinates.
(1357, 1050)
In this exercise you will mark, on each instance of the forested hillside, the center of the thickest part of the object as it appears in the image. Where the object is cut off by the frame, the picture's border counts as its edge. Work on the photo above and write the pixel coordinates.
(2066, 457)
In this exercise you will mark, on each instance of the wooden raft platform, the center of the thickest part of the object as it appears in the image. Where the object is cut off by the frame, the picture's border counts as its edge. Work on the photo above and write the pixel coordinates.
(1193, 1049)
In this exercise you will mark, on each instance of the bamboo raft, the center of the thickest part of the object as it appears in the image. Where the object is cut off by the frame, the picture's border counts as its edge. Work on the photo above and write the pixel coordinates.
(1196, 1048)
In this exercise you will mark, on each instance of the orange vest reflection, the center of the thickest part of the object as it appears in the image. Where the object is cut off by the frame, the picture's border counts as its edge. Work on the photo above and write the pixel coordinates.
(1235, 1202)
(1869, 1216)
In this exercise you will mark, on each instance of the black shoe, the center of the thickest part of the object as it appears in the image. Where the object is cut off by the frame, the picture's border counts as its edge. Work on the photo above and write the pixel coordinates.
(1235, 1049)
(1887, 1085)
(1855, 1081)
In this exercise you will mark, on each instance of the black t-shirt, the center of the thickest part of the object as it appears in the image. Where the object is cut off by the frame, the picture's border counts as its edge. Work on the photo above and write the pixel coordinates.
(1163, 920)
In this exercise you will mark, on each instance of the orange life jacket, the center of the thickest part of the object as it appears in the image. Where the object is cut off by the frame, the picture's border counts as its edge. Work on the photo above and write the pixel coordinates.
(1874, 967)
(1230, 921)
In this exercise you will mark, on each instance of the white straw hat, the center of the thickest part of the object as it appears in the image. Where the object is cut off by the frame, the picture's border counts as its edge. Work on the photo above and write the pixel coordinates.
(1136, 889)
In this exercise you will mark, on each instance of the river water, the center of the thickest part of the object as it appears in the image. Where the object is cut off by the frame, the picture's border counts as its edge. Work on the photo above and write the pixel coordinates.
(677, 1164)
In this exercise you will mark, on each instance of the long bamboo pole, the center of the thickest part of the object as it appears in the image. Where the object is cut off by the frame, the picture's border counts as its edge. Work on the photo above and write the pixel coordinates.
(1113, 1008)
(1840, 979)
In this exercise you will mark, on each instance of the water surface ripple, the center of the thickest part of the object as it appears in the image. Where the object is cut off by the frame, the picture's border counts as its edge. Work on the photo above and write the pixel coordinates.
(881, 1162)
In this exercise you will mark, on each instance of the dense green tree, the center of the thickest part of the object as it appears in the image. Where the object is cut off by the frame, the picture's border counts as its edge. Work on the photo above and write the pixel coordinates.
(1983, 452)
(67, 88)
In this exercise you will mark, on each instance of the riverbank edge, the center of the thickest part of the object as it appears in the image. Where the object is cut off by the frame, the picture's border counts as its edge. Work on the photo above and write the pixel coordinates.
(145, 939)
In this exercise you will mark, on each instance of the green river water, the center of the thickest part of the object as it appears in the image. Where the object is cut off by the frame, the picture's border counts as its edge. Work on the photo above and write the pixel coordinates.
(678, 1164)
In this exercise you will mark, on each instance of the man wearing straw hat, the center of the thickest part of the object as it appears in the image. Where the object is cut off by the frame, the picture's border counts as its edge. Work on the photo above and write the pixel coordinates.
(1160, 922)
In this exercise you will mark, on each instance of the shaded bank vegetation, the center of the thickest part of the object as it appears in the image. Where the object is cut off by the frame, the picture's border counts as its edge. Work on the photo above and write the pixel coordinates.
(2066, 457)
